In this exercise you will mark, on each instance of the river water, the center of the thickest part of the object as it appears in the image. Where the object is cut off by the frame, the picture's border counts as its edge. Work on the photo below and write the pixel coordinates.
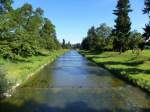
(74, 84)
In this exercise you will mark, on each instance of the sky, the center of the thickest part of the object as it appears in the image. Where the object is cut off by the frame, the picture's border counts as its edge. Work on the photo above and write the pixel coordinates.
(73, 18)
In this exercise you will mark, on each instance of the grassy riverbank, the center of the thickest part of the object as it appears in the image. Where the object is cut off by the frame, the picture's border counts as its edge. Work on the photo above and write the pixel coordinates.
(133, 68)
(19, 71)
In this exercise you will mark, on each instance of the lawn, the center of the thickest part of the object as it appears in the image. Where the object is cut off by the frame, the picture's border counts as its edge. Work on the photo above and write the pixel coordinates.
(19, 71)
(133, 68)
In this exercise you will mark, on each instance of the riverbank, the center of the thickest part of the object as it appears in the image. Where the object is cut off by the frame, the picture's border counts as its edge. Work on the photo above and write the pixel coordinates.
(133, 68)
(20, 71)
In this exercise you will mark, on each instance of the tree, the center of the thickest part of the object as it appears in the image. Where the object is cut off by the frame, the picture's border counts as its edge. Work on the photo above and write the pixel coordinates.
(97, 38)
(135, 41)
(92, 38)
(103, 31)
(48, 35)
(63, 43)
(85, 44)
(104, 37)
(5, 6)
(68, 45)
(89, 43)
(123, 25)
(147, 26)
(146, 34)
(147, 7)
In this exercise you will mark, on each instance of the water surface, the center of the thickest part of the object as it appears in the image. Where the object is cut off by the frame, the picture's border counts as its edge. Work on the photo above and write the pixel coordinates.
(74, 84)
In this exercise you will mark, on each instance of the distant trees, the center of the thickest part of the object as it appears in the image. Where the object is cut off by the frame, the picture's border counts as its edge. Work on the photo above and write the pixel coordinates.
(24, 31)
(66, 45)
(97, 38)
(69, 46)
(76, 46)
(123, 25)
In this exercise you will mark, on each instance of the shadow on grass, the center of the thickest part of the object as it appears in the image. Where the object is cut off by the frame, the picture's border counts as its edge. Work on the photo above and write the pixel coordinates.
(126, 70)
(123, 73)
(21, 61)
(78, 106)
(132, 71)
(123, 63)
(135, 63)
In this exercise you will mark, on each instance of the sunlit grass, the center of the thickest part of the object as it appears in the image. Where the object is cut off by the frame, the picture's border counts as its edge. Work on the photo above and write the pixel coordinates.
(135, 68)
(19, 71)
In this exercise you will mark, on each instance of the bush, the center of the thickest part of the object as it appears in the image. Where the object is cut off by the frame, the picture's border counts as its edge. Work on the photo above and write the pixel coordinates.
(14, 50)
(7, 53)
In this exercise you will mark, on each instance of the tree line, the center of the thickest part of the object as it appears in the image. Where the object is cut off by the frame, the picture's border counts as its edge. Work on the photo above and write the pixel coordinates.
(120, 38)
(25, 31)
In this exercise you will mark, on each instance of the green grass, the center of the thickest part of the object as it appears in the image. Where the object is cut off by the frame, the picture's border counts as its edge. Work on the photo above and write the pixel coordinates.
(133, 68)
(19, 71)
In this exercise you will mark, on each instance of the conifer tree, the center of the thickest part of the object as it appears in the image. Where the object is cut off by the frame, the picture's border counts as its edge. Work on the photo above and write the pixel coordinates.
(122, 26)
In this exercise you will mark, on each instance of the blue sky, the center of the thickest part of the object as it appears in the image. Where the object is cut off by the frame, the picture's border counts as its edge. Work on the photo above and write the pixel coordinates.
(73, 18)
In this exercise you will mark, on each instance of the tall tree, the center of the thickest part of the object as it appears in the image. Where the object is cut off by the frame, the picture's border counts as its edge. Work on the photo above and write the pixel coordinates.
(147, 26)
(123, 24)
(63, 43)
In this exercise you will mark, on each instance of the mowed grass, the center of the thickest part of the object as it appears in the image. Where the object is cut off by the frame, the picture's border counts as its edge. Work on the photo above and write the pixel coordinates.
(19, 71)
(132, 67)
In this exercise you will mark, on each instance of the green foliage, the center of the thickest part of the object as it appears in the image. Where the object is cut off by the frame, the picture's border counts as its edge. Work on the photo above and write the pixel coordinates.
(101, 39)
(119, 39)
(23, 31)
(123, 25)
(135, 40)
(147, 31)
(23, 68)
(97, 38)
(5, 6)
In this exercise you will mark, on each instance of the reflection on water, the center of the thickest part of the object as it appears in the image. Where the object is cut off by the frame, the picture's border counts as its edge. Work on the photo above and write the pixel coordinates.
(73, 84)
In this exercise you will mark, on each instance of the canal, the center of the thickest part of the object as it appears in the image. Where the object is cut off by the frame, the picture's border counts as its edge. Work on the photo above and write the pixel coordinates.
(74, 84)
